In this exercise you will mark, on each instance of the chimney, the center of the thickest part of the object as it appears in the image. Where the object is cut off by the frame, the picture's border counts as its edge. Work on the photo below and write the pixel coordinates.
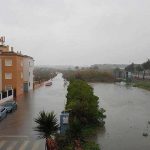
(12, 49)
(7, 49)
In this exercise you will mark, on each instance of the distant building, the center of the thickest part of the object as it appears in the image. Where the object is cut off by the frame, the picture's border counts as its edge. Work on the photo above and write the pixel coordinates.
(16, 71)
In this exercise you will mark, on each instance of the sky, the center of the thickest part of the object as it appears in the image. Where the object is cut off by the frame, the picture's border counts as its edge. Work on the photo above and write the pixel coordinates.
(78, 32)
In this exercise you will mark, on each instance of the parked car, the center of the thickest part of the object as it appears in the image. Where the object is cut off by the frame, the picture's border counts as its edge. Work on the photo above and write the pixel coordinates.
(3, 112)
(10, 106)
(48, 84)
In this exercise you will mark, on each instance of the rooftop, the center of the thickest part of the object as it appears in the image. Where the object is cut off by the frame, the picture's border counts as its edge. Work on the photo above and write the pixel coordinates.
(12, 53)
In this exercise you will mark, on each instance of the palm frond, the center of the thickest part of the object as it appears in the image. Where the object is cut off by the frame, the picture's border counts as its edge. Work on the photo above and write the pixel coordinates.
(46, 124)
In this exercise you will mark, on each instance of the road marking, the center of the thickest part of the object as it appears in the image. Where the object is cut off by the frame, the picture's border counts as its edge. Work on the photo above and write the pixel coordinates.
(2, 144)
(36, 145)
(13, 144)
(14, 136)
(24, 145)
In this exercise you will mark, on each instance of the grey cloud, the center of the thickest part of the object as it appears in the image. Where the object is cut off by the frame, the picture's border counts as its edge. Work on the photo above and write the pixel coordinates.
(78, 32)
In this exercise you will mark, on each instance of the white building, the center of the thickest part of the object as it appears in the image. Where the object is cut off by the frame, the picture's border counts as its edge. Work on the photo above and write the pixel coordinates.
(28, 66)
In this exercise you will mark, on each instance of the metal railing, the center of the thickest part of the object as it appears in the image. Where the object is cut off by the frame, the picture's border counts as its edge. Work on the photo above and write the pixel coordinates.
(6, 94)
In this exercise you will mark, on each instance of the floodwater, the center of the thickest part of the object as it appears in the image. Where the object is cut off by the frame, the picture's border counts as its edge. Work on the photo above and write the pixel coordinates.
(127, 110)
(47, 98)
(128, 113)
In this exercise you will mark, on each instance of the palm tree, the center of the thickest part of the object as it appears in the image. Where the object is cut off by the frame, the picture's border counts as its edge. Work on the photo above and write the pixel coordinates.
(46, 126)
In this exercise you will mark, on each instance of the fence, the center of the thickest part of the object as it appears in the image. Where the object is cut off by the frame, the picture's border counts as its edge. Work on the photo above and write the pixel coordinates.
(6, 95)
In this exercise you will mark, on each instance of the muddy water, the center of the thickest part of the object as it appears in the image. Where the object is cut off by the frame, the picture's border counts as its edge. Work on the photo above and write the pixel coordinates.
(21, 122)
(127, 110)
(128, 113)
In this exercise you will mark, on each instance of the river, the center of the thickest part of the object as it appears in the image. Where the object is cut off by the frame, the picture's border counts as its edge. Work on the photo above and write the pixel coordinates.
(128, 113)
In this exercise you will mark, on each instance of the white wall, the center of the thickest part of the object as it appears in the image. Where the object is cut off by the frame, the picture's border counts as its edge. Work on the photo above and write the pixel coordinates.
(28, 66)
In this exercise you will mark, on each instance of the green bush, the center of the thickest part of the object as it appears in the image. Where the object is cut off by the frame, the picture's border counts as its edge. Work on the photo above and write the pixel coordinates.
(142, 84)
(91, 146)
(82, 102)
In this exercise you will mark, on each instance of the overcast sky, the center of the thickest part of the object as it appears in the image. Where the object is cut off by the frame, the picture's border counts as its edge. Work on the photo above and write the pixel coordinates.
(78, 32)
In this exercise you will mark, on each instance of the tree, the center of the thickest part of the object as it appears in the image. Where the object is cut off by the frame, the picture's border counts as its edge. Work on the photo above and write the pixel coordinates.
(130, 68)
(117, 73)
(46, 126)
(85, 113)
(95, 67)
(139, 68)
(76, 67)
(146, 66)
(82, 102)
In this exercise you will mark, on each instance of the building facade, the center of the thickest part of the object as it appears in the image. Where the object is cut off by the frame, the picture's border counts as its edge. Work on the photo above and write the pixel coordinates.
(28, 64)
(15, 71)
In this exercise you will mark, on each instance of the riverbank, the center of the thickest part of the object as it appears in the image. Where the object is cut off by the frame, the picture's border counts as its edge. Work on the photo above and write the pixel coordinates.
(144, 84)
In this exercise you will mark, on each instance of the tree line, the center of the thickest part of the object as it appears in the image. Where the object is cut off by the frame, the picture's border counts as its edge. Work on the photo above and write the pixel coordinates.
(42, 74)
(88, 75)
(137, 68)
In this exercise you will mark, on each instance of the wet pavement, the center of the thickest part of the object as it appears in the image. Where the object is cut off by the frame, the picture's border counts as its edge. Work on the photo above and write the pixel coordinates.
(127, 110)
(20, 143)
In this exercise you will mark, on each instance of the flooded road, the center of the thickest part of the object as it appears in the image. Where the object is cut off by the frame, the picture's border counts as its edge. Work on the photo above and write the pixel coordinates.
(127, 110)
(21, 122)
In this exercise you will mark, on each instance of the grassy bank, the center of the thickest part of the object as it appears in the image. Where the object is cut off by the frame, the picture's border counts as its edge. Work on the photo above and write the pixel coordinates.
(142, 84)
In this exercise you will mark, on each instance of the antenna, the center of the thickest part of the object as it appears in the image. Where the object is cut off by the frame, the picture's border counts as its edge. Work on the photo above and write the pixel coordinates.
(2, 39)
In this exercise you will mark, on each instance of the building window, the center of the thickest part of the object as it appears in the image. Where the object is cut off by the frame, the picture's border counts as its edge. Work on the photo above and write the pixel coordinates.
(8, 87)
(29, 73)
(8, 62)
(8, 75)
(21, 75)
(29, 83)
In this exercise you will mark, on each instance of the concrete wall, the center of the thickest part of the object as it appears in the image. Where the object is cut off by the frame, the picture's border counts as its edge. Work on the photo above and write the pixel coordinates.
(28, 66)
